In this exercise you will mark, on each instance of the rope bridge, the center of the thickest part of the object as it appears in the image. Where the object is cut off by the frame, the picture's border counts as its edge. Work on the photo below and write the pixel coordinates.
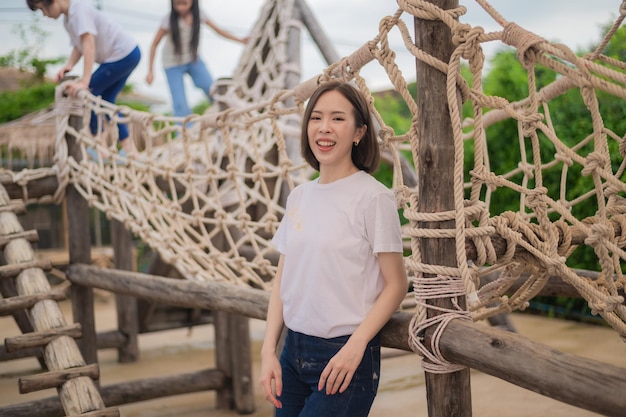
(207, 192)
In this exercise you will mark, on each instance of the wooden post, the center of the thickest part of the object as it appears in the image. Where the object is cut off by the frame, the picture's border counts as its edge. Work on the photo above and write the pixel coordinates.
(241, 363)
(447, 394)
(80, 252)
(127, 314)
(224, 398)
(323, 43)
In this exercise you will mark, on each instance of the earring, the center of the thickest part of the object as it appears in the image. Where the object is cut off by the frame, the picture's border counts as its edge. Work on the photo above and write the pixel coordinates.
(355, 144)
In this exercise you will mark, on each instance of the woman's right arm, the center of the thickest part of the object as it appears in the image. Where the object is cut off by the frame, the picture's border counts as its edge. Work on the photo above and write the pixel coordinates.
(72, 60)
(157, 39)
(271, 375)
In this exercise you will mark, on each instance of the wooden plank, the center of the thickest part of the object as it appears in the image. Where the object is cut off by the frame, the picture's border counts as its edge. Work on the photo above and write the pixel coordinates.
(17, 207)
(22, 302)
(41, 338)
(54, 379)
(31, 236)
(126, 393)
(105, 412)
(172, 291)
(37, 188)
(13, 270)
(21, 354)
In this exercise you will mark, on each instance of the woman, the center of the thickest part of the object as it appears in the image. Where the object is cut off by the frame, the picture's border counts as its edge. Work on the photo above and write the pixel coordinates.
(341, 273)
(180, 55)
(96, 39)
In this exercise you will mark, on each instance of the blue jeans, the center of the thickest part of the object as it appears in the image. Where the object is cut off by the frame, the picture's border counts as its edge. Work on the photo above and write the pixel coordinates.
(302, 361)
(108, 80)
(175, 78)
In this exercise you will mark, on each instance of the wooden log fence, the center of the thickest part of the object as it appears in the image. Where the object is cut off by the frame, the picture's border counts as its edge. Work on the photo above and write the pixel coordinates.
(508, 356)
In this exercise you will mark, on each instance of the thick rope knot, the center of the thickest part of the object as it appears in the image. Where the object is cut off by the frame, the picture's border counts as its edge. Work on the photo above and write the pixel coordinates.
(271, 223)
(386, 135)
(469, 38)
(536, 197)
(523, 40)
(593, 162)
(605, 305)
(440, 287)
(566, 160)
(531, 120)
(526, 168)
(258, 170)
(599, 232)
(553, 263)
(565, 234)
(403, 194)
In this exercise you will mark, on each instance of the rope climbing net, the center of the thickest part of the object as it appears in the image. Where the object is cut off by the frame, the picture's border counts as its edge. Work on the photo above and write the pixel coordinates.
(207, 192)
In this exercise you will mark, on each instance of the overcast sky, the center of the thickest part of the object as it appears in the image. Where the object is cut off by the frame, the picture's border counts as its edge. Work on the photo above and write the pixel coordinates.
(347, 23)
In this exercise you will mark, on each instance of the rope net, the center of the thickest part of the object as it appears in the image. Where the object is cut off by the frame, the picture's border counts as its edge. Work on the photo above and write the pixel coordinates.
(207, 192)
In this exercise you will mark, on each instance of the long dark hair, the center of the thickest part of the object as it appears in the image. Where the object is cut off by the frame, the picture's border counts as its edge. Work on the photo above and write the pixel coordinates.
(34, 4)
(366, 155)
(195, 29)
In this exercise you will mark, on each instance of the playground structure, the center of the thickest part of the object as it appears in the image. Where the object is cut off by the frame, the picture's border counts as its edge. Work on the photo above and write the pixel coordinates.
(206, 193)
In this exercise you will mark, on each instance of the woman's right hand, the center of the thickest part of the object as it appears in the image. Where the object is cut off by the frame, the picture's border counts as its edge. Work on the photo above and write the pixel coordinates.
(61, 74)
(149, 77)
(271, 379)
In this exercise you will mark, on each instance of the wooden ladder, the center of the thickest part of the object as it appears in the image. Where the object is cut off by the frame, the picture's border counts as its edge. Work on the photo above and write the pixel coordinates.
(29, 298)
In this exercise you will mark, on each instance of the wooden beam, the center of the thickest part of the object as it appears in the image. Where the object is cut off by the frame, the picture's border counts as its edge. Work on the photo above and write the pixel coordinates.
(41, 338)
(30, 236)
(317, 33)
(54, 379)
(126, 393)
(22, 302)
(576, 381)
(105, 412)
(13, 270)
(34, 189)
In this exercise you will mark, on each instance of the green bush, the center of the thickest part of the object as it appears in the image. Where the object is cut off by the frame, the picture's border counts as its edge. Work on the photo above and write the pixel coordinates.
(14, 105)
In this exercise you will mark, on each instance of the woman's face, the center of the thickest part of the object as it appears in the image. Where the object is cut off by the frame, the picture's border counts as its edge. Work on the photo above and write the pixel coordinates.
(332, 130)
(182, 6)
(53, 10)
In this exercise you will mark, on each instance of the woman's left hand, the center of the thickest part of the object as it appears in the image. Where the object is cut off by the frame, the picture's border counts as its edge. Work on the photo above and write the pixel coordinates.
(73, 88)
(337, 375)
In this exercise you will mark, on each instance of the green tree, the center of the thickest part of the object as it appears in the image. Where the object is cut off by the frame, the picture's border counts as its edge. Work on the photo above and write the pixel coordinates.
(27, 56)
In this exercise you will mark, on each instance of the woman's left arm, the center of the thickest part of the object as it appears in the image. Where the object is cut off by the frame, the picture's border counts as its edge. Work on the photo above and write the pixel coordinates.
(225, 33)
(89, 56)
(338, 373)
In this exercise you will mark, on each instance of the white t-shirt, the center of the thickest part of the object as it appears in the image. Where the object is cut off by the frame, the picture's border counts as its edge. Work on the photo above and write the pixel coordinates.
(330, 236)
(169, 57)
(112, 43)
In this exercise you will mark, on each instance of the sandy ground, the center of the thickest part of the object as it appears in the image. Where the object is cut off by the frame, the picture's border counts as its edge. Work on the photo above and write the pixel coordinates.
(401, 393)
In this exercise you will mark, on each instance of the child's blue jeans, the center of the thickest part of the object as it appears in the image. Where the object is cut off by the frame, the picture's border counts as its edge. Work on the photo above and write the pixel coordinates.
(304, 358)
(175, 78)
(108, 80)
